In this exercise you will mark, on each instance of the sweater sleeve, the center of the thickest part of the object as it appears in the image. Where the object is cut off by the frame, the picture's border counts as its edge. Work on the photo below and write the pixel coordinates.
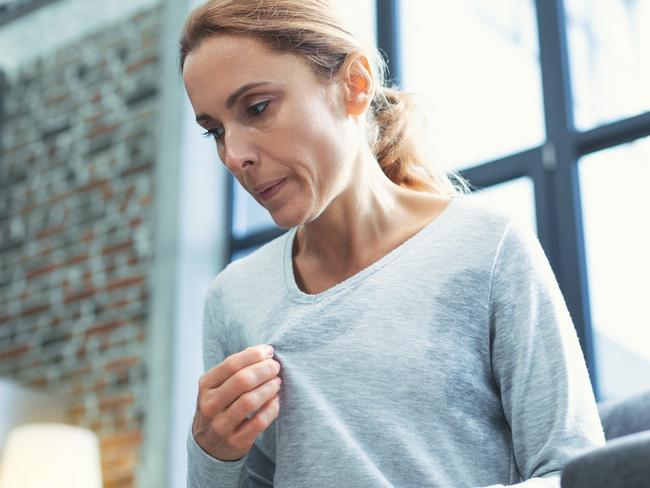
(538, 364)
(203, 470)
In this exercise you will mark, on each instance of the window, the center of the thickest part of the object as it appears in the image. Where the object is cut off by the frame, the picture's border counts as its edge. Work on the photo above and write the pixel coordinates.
(515, 198)
(610, 59)
(475, 68)
(617, 237)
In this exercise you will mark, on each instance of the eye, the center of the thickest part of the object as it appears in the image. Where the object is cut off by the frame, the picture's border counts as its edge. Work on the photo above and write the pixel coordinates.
(258, 108)
(217, 133)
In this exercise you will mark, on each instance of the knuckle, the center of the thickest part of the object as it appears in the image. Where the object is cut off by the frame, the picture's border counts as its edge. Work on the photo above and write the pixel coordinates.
(203, 409)
(206, 409)
(248, 402)
(259, 422)
(216, 426)
(271, 367)
(234, 443)
(245, 380)
(228, 366)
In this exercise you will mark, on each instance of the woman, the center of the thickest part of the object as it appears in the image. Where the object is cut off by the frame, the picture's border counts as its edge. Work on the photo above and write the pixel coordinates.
(417, 338)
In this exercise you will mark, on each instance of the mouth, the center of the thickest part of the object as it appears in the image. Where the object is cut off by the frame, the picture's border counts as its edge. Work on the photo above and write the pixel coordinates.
(273, 190)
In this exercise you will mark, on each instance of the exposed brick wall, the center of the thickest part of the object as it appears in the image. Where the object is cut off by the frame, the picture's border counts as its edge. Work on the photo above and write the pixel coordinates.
(76, 178)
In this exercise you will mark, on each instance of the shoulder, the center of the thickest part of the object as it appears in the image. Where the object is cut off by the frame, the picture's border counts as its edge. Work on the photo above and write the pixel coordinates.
(473, 211)
(473, 225)
(248, 272)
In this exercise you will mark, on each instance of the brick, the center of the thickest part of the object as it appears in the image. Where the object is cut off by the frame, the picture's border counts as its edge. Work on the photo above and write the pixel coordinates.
(36, 309)
(40, 383)
(121, 440)
(140, 64)
(121, 363)
(101, 130)
(73, 297)
(5, 318)
(93, 185)
(105, 327)
(14, 352)
(116, 401)
(138, 169)
(41, 271)
(122, 246)
(124, 282)
(55, 229)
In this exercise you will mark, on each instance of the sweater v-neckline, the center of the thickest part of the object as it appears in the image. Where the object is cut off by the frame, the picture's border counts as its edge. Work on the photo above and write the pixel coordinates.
(300, 296)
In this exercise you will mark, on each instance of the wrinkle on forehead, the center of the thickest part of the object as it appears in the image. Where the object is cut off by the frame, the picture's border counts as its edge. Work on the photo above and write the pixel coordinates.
(221, 64)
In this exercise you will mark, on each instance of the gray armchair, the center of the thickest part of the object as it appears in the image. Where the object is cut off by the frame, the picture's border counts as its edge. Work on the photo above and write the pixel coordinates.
(625, 461)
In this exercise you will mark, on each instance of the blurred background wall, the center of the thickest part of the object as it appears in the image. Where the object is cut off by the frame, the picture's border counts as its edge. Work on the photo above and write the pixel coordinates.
(78, 149)
(111, 228)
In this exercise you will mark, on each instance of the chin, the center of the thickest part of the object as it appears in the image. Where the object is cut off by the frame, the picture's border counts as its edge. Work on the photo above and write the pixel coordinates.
(288, 220)
(284, 221)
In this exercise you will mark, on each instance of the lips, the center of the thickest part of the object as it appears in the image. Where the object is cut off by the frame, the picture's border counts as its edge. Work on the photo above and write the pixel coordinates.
(265, 186)
(272, 191)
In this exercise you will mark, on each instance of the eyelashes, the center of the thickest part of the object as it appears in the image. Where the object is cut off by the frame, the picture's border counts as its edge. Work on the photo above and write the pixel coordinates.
(253, 111)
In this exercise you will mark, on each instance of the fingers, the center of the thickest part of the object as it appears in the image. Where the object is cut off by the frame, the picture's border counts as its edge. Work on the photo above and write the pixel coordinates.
(245, 401)
(216, 376)
(240, 389)
(242, 393)
(248, 430)
(237, 400)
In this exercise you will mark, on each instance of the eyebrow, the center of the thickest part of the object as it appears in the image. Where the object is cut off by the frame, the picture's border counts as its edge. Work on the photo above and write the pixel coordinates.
(232, 99)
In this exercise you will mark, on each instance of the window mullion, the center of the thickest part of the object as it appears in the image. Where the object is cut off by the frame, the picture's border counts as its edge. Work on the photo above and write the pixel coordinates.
(559, 177)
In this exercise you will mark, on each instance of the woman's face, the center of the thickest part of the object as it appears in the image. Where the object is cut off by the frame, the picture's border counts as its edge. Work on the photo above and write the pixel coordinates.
(272, 118)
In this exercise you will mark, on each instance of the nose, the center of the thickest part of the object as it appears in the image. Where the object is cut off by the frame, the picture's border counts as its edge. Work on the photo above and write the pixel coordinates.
(239, 150)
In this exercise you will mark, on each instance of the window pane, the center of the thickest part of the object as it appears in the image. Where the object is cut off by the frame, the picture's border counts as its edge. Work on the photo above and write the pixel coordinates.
(360, 16)
(515, 198)
(475, 67)
(609, 52)
(249, 216)
(617, 235)
(243, 252)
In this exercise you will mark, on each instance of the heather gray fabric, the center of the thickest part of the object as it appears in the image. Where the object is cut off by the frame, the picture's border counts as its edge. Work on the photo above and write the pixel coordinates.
(626, 416)
(451, 361)
(623, 463)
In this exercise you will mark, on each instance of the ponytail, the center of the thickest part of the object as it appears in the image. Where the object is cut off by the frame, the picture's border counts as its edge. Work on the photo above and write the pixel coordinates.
(397, 141)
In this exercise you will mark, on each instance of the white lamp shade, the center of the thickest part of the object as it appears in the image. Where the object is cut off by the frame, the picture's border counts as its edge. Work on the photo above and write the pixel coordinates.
(50, 455)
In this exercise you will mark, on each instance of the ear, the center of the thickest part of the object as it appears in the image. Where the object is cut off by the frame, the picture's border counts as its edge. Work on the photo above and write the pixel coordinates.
(358, 84)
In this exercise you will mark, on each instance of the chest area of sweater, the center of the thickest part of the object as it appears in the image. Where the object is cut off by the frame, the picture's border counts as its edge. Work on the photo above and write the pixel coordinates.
(388, 340)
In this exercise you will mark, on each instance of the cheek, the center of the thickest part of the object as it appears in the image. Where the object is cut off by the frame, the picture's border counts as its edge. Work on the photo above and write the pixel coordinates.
(317, 137)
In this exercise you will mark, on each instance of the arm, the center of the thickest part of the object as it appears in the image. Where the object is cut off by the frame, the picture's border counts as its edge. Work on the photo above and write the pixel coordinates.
(538, 364)
(204, 470)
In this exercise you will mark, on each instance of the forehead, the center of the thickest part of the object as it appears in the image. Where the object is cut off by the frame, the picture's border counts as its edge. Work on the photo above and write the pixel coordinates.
(223, 63)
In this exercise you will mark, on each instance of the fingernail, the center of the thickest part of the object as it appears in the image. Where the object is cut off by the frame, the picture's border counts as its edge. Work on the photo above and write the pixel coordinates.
(269, 350)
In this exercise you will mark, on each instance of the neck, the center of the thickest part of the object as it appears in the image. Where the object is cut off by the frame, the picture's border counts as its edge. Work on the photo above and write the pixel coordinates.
(358, 223)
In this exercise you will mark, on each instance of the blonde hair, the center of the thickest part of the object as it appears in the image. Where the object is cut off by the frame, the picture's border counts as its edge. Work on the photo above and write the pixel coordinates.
(311, 28)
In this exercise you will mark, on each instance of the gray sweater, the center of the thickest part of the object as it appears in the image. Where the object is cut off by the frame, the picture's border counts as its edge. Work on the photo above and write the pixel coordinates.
(452, 361)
